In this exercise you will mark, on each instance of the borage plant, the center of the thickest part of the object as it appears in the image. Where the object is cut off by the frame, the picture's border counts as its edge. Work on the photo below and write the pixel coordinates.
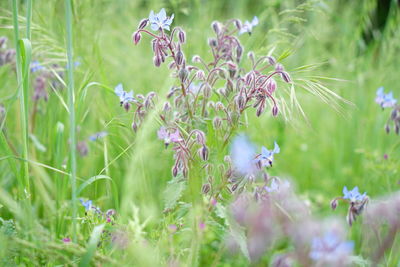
(213, 98)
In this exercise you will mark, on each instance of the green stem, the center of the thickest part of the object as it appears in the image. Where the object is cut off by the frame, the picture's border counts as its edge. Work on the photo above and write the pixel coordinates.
(68, 18)
(24, 183)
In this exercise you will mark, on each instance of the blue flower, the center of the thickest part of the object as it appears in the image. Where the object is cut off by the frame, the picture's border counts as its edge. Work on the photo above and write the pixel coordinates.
(385, 100)
(353, 195)
(248, 26)
(243, 153)
(160, 20)
(98, 135)
(36, 66)
(124, 97)
(330, 247)
(86, 204)
(267, 156)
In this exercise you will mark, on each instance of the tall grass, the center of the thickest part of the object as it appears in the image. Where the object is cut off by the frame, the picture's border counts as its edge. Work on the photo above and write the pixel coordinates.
(71, 108)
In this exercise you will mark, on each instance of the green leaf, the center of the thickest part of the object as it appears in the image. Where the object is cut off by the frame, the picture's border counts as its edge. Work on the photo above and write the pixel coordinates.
(92, 180)
(92, 245)
(174, 191)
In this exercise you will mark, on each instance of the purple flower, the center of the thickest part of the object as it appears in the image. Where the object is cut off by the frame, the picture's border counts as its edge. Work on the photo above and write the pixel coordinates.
(330, 248)
(243, 153)
(353, 195)
(385, 100)
(266, 157)
(169, 137)
(98, 135)
(160, 20)
(124, 97)
(86, 204)
(66, 240)
(248, 26)
(36, 66)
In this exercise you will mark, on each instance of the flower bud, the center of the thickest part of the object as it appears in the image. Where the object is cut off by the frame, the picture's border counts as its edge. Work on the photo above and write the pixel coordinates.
(207, 90)
(216, 27)
(127, 106)
(387, 128)
(203, 152)
(397, 129)
(196, 59)
(182, 36)
(205, 188)
(143, 23)
(285, 76)
(275, 111)
(240, 102)
(212, 42)
(279, 67)
(200, 137)
(179, 57)
(217, 123)
(237, 23)
(219, 106)
(271, 60)
(136, 37)
(250, 55)
(183, 73)
(200, 75)
(393, 115)
(157, 61)
(134, 127)
(167, 106)
(229, 85)
(260, 110)
(239, 52)
(271, 85)
(334, 204)
(175, 170)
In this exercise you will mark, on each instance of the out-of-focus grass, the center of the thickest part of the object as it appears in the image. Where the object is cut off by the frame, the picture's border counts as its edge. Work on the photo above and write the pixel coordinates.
(320, 155)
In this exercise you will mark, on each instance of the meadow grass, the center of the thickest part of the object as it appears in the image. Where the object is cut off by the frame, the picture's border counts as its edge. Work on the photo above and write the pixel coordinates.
(337, 144)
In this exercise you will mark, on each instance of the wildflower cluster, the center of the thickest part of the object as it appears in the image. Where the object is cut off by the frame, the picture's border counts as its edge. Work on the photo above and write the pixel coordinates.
(389, 102)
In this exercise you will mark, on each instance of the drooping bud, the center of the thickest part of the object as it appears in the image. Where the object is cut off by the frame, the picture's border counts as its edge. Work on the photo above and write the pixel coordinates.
(271, 60)
(279, 67)
(212, 42)
(239, 52)
(136, 37)
(216, 27)
(127, 106)
(260, 110)
(237, 23)
(200, 75)
(200, 137)
(217, 123)
(157, 61)
(183, 73)
(143, 23)
(275, 111)
(285, 76)
(182, 36)
(219, 106)
(175, 170)
(240, 102)
(334, 203)
(196, 59)
(134, 127)
(387, 128)
(179, 57)
(207, 90)
(229, 85)
(271, 85)
(250, 55)
(203, 152)
(205, 188)
(393, 115)
(167, 106)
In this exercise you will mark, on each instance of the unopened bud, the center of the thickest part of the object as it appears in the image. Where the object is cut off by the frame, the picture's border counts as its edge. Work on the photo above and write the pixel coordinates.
(157, 61)
(250, 55)
(183, 73)
(285, 76)
(387, 128)
(205, 188)
(203, 153)
(136, 37)
(217, 122)
(279, 67)
(196, 59)
(212, 42)
(216, 27)
(200, 137)
(334, 204)
(219, 106)
(275, 111)
(240, 102)
(175, 170)
(260, 110)
(143, 23)
(271, 60)
(167, 106)
(134, 127)
(271, 85)
(238, 24)
(207, 90)
(127, 106)
(239, 52)
(179, 57)
(182, 36)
